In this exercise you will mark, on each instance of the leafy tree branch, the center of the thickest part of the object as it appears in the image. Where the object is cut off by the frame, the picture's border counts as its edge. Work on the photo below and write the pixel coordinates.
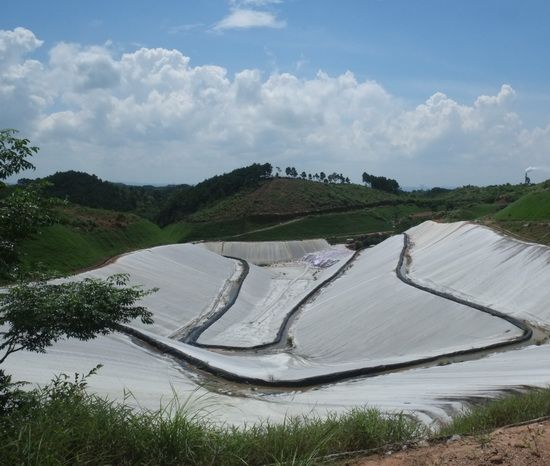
(35, 315)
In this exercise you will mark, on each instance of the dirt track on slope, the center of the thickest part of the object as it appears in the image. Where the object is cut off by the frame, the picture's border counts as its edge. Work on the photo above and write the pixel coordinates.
(271, 227)
(511, 446)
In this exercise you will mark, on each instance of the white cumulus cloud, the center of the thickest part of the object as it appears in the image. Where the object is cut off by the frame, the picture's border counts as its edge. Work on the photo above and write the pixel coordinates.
(151, 116)
(14, 44)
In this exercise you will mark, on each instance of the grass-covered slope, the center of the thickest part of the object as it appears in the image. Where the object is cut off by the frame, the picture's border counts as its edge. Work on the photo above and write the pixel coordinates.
(284, 197)
(85, 237)
(225, 229)
(529, 216)
(340, 225)
(289, 209)
(286, 209)
(532, 206)
(335, 226)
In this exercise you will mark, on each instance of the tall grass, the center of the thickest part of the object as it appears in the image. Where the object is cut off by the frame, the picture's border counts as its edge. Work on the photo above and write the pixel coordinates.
(63, 424)
(511, 409)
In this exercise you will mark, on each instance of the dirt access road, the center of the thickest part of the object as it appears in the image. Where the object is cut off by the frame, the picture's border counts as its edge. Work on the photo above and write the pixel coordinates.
(525, 445)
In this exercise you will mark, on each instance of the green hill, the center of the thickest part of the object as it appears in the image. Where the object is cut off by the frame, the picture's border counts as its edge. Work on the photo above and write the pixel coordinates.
(286, 208)
(532, 206)
(529, 216)
(280, 198)
(90, 191)
(268, 204)
(246, 205)
(185, 202)
(85, 236)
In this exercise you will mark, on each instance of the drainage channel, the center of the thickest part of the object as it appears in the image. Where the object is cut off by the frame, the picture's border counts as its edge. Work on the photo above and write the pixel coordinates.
(191, 335)
(280, 341)
(527, 336)
(401, 272)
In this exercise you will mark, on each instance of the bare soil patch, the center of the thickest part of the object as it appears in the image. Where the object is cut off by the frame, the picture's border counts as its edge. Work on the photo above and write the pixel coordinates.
(511, 446)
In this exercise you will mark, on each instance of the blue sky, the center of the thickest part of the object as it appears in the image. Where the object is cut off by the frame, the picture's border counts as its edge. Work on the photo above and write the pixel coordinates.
(410, 51)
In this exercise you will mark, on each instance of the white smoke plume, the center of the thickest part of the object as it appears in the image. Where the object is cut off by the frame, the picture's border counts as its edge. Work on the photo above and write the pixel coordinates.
(530, 169)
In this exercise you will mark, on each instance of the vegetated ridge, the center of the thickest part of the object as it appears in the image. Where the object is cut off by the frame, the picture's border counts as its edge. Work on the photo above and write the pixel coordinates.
(286, 198)
(187, 201)
(248, 204)
(90, 191)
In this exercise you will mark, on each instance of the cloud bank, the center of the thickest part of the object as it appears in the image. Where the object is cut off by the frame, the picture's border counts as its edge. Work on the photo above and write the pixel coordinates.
(151, 116)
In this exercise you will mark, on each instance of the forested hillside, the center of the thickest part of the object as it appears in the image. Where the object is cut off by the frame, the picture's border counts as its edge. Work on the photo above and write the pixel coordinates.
(207, 192)
(90, 191)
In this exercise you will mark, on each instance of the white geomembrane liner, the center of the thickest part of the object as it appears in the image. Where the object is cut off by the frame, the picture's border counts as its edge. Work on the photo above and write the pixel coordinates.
(479, 264)
(369, 314)
(263, 301)
(267, 296)
(365, 316)
(189, 279)
(267, 252)
(431, 393)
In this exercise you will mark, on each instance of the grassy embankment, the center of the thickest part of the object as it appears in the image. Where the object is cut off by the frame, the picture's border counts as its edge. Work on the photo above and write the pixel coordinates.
(508, 410)
(214, 230)
(63, 424)
(528, 217)
(86, 237)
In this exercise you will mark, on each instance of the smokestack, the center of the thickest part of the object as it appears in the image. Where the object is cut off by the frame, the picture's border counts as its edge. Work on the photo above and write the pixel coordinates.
(530, 169)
